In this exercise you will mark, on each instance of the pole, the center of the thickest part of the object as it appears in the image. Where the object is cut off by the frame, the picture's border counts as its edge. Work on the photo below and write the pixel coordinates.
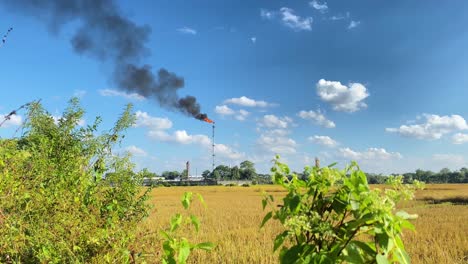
(213, 148)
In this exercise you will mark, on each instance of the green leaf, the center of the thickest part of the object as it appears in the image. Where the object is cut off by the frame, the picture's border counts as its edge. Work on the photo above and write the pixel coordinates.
(205, 246)
(406, 224)
(184, 251)
(279, 240)
(195, 222)
(264, 203)
(368, 248)
(202, 201)
(381, 259)
(266, 218)
(175, 222)
(405, 215)
(294, 203)
(186, 199)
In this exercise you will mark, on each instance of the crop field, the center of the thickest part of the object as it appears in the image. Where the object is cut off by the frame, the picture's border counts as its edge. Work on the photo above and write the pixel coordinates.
(233, 216)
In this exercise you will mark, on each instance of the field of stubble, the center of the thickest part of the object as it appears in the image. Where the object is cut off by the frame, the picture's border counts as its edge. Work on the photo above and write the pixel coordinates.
(234, 214)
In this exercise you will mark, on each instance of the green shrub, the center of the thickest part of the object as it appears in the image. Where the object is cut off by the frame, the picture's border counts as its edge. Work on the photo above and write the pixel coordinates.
(56, 205)
(245, 185)
(324, 215)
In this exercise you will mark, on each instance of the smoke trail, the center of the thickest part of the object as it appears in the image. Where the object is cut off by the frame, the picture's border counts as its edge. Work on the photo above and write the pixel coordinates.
(108, 36)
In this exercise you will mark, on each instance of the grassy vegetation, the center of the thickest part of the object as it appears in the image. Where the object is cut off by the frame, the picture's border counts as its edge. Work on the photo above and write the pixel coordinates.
(234, 214)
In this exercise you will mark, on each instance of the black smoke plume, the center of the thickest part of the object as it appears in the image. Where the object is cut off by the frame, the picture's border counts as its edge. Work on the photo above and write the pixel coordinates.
(105, 34)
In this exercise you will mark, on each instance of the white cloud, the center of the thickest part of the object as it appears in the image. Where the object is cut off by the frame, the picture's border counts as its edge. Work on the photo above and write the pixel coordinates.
(341, 97)
(294, 21)
(253, 39)
(183, 138)
(288, 18)
(276, 144)
(369, 154)
(266, 14)
(272, 121)
(187, 30)
(337, 17)
(224, 110)
(143, 119)
(247, 102)
(180, 137)
(225, 151)
(242, 115)
(317, 117)
(323, 8)
(13, 120)
(136, 151)
(324, 141)
(353, 24)
(460, 138)
(131, 96)
(434, 127)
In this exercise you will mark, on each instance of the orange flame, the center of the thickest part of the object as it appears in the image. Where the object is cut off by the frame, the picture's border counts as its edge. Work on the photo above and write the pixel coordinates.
(206, 119)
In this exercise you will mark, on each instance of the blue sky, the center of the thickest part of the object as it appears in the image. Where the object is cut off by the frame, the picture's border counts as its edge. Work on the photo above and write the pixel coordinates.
(383, 83)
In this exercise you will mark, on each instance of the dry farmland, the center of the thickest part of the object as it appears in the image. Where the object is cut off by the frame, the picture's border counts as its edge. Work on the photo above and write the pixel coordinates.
(234, 214)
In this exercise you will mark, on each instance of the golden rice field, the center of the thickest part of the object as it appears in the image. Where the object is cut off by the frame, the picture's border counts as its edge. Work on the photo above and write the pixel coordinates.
(234, 214)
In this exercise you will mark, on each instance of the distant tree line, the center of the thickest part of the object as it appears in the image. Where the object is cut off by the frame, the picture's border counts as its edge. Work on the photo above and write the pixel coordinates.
(246, 171)
(443, 176)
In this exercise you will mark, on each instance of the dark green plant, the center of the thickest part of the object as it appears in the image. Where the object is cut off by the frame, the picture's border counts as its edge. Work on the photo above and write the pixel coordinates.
(65, 196)
(334, 217)
(176, 248)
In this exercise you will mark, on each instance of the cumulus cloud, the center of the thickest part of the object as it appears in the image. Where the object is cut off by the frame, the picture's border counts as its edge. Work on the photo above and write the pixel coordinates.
(434, 127)
(276, 144)
(294, 21)
(272, 121)
(317, 117)
(136, 151)
(324, 141)
(143, 119)
(341, 97)
(180, 137)
(13, 120)
(224, 110)
(247, 102)
(187, 30)
(131, 96)
(323, 8)
(369, 154)
(183, 138)
(460, 138)
(353, 24)
(253, 39)
(288, 18)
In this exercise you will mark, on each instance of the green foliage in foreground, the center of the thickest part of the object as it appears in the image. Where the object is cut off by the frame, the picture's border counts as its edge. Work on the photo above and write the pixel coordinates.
(333, 217)
(55, 206)
(176, 248)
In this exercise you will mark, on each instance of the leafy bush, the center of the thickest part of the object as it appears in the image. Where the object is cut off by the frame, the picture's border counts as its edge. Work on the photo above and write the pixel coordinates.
(66, 198)
(333, 216)
(245, 185)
